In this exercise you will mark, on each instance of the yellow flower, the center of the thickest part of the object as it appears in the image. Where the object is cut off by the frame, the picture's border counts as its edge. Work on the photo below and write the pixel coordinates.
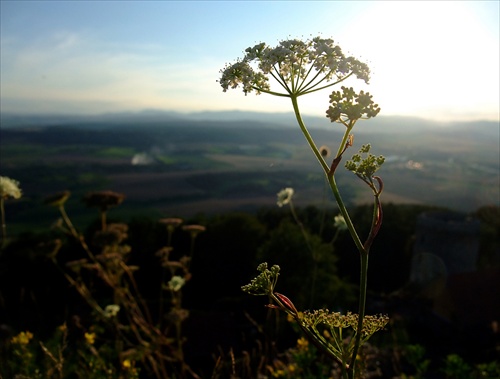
(126, 364)
(327, 334)
(90, 338)
(22, 338)
(302, 344)
(279, 373)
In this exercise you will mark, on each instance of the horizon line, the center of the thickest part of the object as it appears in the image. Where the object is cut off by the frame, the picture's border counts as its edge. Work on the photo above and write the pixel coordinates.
(194, 112)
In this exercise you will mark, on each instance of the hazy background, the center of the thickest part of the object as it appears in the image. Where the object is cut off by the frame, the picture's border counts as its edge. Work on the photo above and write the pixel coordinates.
(437, 60)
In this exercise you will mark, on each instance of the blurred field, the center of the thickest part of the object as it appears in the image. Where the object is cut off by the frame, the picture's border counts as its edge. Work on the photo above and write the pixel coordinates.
(171, 169)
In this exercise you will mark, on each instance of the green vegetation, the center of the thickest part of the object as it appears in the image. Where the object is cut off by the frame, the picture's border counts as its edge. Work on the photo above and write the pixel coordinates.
(57, 332)
(116, 152)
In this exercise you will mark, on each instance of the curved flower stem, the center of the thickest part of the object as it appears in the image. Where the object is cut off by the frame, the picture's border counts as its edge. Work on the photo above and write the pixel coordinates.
(309, 139)
(274, 93)
(68, 222)
(313, 89)
(302, 86)
(363, 251)
(330, 176)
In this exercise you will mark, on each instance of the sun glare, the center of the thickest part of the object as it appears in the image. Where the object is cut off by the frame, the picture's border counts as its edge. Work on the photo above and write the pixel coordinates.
(424, 54)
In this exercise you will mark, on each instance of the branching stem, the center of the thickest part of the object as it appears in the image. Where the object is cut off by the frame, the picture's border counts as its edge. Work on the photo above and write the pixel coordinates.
(362, 248)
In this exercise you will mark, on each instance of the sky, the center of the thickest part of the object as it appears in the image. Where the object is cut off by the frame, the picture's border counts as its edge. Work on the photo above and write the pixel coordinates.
(429, 59)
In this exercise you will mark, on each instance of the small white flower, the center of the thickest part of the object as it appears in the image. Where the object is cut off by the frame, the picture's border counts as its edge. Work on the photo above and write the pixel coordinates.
(111, 310)
(339, 222)
(9, 188)
(176, 283)
(284, 196)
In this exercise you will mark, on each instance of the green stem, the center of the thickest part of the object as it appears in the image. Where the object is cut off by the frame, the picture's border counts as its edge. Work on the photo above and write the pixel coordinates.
(326, 169)
(361, 313)
(309, 139)
(344, 138)
(347, 218)
(302, 86)
(313, 89)
(357, 241)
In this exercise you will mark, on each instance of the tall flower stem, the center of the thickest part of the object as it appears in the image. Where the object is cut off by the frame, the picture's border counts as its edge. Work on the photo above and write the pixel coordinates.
(357, 241)
(361, 311)
(330, 176)
(68, 222)
(307, 135)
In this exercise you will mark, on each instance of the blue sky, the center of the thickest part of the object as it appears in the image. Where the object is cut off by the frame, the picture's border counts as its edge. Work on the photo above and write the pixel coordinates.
(437, 60)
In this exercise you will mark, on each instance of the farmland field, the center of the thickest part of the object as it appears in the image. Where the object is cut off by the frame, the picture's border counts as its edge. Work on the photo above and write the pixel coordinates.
(176, 169)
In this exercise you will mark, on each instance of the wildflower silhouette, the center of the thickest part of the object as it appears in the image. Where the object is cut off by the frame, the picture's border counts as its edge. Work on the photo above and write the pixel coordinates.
(103, 200)
(292, 69)
(156, 343)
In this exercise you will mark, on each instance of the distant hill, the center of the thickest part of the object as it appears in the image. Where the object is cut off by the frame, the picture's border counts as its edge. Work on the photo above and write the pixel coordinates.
(380, 124)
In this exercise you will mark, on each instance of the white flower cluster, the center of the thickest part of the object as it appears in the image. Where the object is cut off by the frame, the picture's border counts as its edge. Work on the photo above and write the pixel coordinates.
(176, 283)
(292, 63)
(111, 310)
(284, 196)
(9, 188)
(339, 222)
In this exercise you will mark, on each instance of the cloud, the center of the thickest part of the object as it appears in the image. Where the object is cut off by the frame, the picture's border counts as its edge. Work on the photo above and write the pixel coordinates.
(76, 71)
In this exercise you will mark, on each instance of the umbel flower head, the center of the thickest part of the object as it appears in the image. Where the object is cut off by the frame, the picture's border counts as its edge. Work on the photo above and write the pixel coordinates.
(194, 229)
(365, 167)
(111, 310)
(171, 222)
(348, 106)
(265, 282)
(9, 188)
(176, 283)
(103, 199)
(337, 320)
(285, 196)
(299, 67)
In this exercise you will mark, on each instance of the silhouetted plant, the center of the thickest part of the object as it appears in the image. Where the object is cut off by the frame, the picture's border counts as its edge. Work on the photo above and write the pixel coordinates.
(298, 68)
(122, 328)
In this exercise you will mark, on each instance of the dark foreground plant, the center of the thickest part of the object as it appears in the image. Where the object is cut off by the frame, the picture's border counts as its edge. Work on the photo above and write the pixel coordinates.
(122, 337)
(298, 68)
